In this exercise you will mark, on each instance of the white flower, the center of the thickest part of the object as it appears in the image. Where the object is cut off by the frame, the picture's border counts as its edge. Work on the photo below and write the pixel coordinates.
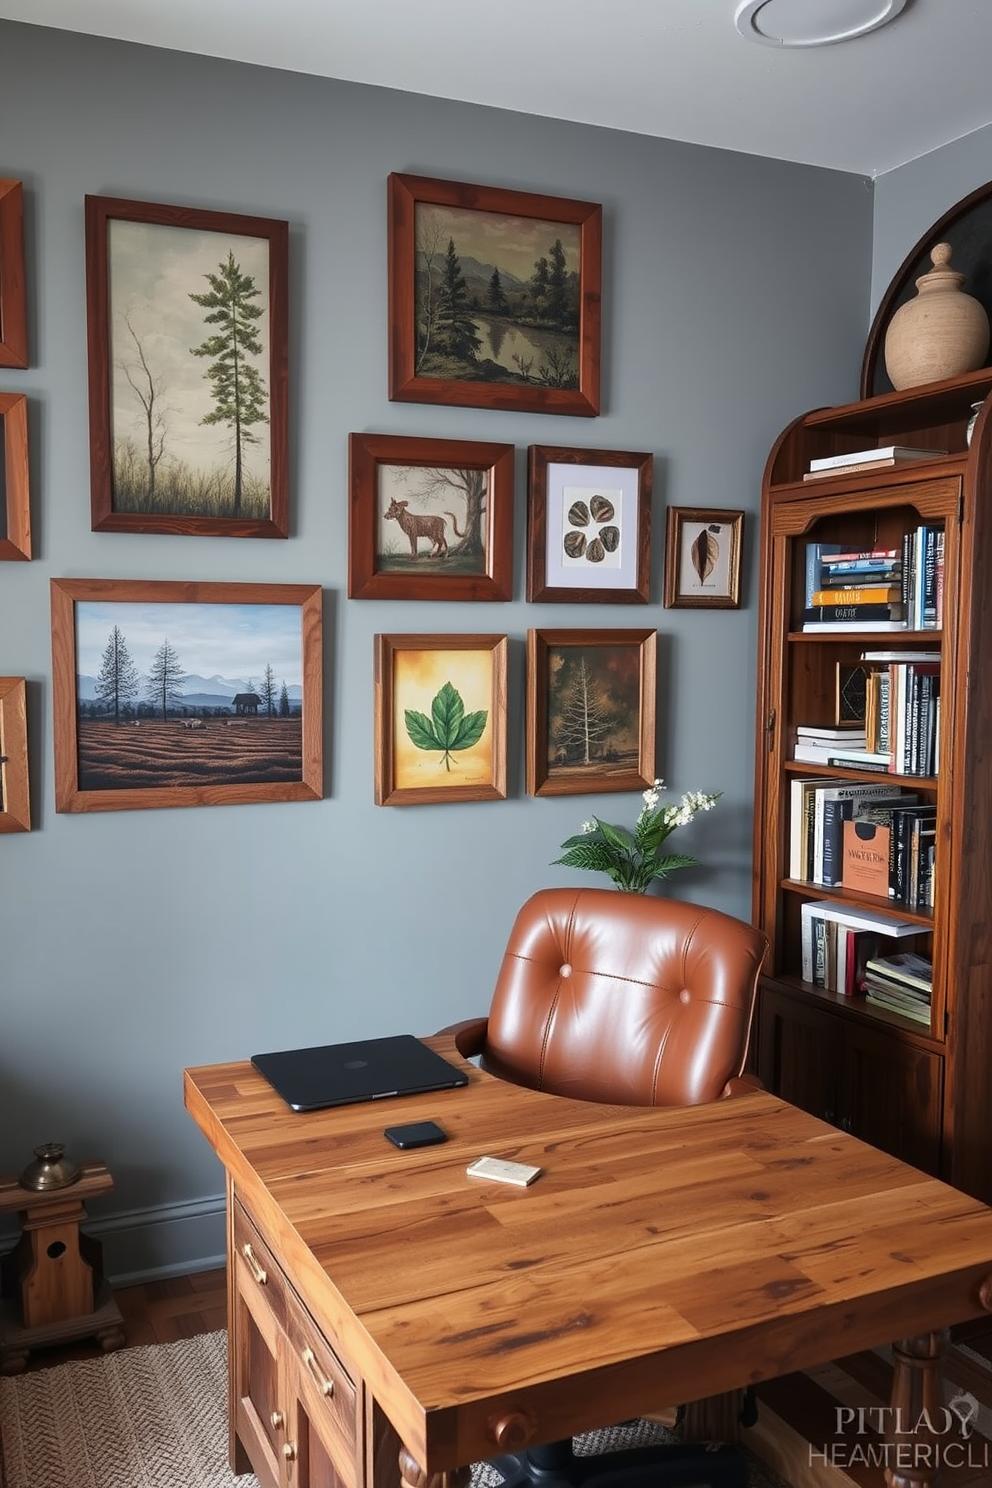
(589, 826)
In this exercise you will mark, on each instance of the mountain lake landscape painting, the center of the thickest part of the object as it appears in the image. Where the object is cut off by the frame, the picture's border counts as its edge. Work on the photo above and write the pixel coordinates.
(494, 297)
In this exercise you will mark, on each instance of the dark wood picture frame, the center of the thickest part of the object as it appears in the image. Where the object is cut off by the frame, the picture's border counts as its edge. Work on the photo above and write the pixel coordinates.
(441, 562)
(588, 525)
(568, 381)
(703, 558)
(156, 378)
(612, 684)
(15, 482)
(206, 750)
(13, 285)
(15, 796)
(436, 708)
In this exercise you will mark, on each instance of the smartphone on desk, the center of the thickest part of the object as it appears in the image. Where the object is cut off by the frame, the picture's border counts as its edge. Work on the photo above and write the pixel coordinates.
(415, 1134)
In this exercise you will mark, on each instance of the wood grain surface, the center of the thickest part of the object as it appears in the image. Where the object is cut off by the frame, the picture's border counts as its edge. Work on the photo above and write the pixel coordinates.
(662, 1255)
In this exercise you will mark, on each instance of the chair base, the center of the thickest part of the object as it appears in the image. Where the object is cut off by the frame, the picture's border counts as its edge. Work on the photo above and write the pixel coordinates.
(693, 1465)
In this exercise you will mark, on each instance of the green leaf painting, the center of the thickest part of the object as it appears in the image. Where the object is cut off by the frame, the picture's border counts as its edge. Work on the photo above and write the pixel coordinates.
(449, 727)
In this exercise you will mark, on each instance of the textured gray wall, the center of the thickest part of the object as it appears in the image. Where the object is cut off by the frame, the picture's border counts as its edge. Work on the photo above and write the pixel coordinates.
(135, 943)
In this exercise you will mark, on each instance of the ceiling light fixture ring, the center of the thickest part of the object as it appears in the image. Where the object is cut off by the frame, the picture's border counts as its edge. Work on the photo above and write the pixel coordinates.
(812, 23)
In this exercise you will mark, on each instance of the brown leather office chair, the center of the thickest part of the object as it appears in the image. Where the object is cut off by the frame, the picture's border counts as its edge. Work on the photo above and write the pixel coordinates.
(633, 1000)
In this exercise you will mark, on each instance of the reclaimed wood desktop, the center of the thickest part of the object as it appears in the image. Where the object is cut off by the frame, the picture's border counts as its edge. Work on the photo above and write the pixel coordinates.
(385, 1307)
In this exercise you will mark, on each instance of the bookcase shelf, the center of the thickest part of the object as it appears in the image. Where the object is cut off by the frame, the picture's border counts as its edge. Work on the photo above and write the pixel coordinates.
(919, 1091)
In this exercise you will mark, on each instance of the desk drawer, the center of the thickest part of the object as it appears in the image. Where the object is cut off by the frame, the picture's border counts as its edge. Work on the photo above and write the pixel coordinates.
(330, 1395)
(259, 1275)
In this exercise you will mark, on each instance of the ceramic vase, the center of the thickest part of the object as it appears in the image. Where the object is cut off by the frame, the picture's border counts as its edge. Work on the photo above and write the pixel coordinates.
(942, 332)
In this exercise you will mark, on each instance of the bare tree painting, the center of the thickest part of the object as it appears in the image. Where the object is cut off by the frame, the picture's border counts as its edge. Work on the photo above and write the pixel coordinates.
(189, 343)
(593, 708)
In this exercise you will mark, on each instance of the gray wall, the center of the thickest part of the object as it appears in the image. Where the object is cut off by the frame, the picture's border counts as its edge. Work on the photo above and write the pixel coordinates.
(135, 943)
(908, 201)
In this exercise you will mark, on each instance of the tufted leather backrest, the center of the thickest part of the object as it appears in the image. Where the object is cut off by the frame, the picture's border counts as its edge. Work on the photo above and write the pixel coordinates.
(623, 998)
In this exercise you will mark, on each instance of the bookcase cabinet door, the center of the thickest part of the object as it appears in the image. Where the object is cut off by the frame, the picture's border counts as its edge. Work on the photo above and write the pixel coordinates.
(799, 1054)
(883, 1090)
(891, 1095)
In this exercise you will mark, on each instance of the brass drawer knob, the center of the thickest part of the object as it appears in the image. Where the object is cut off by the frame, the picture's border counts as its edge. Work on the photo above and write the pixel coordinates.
(325, 1385)
(289, 1451)
(259, 1272)
(278, 1420)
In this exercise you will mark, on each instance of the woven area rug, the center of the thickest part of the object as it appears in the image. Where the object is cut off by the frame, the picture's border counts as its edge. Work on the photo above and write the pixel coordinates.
(156, 1417)
(152, 1417)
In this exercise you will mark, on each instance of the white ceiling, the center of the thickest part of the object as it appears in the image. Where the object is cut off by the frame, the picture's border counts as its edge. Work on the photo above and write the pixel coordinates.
(673, 68)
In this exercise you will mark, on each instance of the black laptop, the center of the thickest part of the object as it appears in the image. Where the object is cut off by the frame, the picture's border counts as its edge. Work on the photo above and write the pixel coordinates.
(343, 1074)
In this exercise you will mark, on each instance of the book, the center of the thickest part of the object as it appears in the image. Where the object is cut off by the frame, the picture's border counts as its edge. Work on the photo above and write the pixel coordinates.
(857, 577)
(855, 614)
(840, 625)
(865, 862)
(833, 806)
(890, 656)
(901, 825)
(825, 730)
(919, 1014)
(801, 824)
(885, 452)
(857, 558)
(874, 803)
(904, 966)
(864, 759)
(861, 919)
(810, 753)
(815, 554)
(885, 594)
(855, 947)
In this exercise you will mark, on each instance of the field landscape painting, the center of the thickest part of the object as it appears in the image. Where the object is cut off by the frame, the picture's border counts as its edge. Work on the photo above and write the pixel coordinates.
(187, 338)
(166, 700)
(501, 292)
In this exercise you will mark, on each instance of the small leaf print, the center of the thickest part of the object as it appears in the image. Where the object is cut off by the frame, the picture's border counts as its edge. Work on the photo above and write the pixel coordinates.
(449, 727)
(704, 553)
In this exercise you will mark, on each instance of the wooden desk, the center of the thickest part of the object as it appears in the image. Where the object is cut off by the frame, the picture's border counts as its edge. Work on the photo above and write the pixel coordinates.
(379, 1296)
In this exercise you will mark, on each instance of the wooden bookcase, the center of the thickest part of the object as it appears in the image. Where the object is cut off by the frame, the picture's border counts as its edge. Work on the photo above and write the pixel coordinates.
(921, 1093)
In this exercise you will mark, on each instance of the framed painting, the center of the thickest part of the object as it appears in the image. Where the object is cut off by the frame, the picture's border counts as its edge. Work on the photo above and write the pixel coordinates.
(590, 711)
(703, 558)
(15, 490)
(440, 719)
(185, 694)
(187, 327)
(851, 697)
(429, 518)
(588, 526)
(13, 290)
(494, 297)
(15, 799)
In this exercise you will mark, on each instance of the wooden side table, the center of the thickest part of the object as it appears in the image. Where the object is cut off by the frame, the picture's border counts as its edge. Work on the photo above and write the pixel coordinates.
(52, 1281)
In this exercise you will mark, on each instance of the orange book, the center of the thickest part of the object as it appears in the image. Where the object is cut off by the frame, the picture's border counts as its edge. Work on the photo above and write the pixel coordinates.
(865, 866)
(879, 594)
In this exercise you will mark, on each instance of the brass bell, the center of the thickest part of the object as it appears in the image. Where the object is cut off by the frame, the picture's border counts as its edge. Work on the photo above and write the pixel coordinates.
(50, 1169)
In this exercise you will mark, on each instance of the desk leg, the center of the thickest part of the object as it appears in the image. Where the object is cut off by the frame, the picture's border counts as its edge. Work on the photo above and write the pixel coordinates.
(412, 1475)
(916, 1400)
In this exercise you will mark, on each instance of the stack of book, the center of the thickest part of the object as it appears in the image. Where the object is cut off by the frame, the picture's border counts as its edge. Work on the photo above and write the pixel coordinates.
(868, 459)
(815, 743)
(902, 715)
(900, 983)
(851, 588)
(819, 809)
(838, 942)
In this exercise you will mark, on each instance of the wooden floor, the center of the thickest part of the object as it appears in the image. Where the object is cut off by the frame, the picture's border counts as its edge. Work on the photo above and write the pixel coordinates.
(158, 1312)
